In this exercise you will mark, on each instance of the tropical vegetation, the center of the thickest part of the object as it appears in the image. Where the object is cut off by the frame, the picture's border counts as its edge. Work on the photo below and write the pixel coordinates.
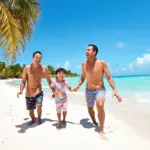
(17, 19)
(15, 71)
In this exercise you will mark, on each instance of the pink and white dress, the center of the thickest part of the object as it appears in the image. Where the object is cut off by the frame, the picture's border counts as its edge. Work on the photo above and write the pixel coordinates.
(61, 100)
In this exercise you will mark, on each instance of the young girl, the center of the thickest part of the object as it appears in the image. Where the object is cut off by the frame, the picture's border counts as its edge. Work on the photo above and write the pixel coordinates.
(59, 85)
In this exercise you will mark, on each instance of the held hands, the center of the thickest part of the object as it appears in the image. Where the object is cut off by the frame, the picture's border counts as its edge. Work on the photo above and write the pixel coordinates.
(117, 96)
(75, 89)
(55, 94)
(19, 93)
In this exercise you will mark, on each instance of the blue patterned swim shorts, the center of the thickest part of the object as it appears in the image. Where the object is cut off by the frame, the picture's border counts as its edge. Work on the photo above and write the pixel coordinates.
(32, 101)
(91, 95)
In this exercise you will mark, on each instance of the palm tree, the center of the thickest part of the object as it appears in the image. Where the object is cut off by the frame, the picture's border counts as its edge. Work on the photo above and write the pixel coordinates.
(17, 19)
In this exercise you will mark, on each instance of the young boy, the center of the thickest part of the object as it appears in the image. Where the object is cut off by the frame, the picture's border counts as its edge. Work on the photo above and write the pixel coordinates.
(59, 85)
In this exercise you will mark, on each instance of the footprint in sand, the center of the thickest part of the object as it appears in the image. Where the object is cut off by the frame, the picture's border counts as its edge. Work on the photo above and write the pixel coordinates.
(108, 129)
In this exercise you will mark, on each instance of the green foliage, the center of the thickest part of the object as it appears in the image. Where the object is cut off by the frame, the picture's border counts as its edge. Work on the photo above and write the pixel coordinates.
(15, 71)
(51, 69)
(2, 66)
(17, 20)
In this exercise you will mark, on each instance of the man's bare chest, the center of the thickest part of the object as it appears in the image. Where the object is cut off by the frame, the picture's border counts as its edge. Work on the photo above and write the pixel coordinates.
(90, 69)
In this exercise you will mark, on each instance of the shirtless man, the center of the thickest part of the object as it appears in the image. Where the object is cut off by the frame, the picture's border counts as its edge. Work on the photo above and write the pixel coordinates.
(33, 74)
(93, 71)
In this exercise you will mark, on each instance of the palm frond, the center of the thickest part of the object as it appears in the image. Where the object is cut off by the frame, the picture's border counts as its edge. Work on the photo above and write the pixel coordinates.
(26, 12)
(11, 39)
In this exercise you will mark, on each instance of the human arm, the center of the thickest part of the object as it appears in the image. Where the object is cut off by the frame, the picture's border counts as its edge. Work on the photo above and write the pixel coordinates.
(110, 80)
(82, 78)
(67, 85)
(23, 82)
(48, 78)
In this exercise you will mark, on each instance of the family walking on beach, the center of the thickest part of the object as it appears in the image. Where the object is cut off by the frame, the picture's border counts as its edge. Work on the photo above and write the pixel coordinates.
(93, 71)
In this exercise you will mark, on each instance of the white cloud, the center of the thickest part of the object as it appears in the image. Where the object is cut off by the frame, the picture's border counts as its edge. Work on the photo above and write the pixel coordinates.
(120, 44)
(143, 61)
(67, 65)
(139, 64)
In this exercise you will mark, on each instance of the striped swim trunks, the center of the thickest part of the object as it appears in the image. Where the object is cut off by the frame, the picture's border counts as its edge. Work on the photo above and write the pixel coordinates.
(32, 101)
(91, 95)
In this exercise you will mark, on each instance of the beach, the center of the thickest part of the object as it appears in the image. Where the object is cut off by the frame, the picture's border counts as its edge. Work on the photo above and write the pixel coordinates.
(80, 133)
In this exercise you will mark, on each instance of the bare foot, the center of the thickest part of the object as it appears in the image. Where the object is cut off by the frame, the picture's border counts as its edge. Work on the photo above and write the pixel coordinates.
(103, 136)
(32, 122)
(94, 122)
(39, 121)
(59, 125)
(64, 122)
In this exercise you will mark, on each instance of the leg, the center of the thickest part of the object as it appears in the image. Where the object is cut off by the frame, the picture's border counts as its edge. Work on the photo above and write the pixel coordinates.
(92, 115)
(90, 99)
(64, 109)
(58, 109)
(59, 119)
(39, 112)
(31, 113)
(64, 117)
(101, 113)
(39, 100)
(30, 104)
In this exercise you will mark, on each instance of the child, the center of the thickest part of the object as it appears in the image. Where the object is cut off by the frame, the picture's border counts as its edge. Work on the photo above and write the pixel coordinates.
(59, 85)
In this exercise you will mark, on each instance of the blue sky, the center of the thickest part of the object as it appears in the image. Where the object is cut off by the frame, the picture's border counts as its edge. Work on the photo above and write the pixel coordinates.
(120, 29)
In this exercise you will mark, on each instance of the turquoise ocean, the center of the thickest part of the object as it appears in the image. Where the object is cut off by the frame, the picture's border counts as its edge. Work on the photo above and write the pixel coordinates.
(135, 88)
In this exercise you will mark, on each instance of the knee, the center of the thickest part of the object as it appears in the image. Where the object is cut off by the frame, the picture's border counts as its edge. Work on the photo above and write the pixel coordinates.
(38, 106)
(31, 112)
(100, 106)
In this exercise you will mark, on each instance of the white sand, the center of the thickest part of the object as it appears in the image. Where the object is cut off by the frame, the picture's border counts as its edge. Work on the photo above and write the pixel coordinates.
(15, 134)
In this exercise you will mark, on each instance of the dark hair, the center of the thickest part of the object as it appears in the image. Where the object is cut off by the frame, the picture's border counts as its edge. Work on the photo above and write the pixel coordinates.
(60, 70)
(37, 52)
(95, 48)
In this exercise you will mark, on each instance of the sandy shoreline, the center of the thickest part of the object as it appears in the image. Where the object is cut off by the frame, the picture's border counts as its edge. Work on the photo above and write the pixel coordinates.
(134, 114)
(79, 133)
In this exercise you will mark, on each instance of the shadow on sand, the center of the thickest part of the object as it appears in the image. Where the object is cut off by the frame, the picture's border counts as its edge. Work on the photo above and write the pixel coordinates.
(63, 126)
(25, 126)
(88, 125)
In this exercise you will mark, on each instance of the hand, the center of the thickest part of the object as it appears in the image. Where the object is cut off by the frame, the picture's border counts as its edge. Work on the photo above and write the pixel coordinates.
(53, 96)
(117, 96)
(73, 90)
(76, 88)
(19, 93)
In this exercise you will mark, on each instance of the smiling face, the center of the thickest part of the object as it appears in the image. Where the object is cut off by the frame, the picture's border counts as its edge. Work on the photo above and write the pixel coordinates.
(60, 76)
(37, 58)
(90, 52)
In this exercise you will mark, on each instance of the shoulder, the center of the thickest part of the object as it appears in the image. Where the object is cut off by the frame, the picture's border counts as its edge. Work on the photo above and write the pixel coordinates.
(84, 63)
(65, 81)
(103, 63)
(54, 81)
(27, 67)
(44, 68)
